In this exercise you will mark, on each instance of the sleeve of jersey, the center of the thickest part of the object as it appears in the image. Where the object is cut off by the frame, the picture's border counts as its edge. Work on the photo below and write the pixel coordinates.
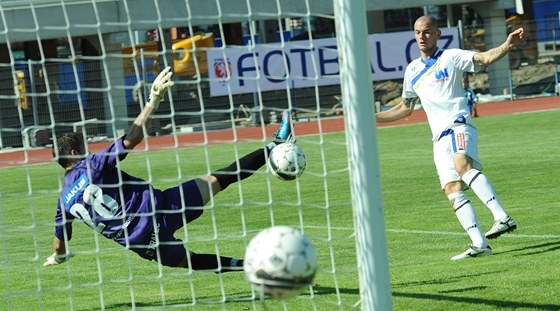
(63, 224)
(408, 90)
(110, 156)
(464, 60)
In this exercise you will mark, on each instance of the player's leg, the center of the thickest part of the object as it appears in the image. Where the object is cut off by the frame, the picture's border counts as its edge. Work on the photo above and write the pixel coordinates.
(468, 165)
(482, 187)
(469, 221)
(246, 165)
(189, 198)
(451, 184)
(239, 170)
(211, 262)
(172, 253)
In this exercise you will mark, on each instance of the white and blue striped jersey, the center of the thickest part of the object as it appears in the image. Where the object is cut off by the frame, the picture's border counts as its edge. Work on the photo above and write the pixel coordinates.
(437, 81)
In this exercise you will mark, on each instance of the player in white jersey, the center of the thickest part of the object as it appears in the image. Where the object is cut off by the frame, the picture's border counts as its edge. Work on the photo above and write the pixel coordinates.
(435, 80)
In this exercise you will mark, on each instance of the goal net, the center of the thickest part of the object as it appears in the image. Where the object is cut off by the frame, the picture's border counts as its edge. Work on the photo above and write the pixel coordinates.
(87, 66)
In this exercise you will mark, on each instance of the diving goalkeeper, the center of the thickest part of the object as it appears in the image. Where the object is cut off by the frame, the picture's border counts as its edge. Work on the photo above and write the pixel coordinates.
(129, 210)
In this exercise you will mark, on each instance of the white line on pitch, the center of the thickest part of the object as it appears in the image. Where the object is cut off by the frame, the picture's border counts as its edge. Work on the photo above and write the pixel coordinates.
(509, 235)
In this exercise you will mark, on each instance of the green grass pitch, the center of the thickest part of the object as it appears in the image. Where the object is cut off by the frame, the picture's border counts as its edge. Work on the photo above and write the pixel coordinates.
(521, 156)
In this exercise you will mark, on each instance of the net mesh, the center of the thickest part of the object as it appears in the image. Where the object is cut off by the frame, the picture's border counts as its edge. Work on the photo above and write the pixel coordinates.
(87, 66)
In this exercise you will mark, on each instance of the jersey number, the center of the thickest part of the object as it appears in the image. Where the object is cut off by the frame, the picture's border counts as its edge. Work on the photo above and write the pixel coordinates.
(103, 205)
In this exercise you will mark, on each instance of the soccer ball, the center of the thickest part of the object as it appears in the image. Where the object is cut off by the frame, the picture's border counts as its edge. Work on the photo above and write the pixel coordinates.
(287, 161)
(280, 262)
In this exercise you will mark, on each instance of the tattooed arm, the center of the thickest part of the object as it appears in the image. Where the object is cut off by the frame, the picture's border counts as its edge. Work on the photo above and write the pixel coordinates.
(399, 111)
(493, 55)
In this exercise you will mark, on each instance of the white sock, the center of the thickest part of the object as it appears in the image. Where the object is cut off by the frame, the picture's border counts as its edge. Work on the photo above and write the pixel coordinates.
(467, 217)
(483, 189)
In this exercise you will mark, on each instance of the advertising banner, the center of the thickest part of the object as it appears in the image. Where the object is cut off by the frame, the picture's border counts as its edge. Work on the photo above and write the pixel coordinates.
(299, 64)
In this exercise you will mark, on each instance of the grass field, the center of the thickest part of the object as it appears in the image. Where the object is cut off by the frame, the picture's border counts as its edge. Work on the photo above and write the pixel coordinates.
(521, 155)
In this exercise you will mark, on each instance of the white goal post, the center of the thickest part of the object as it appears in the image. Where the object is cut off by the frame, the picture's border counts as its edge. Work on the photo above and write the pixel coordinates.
(357, 94)
(87, 66)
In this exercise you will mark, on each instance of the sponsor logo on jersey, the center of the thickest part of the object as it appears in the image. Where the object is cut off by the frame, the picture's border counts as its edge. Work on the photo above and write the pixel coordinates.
(442, 75)
(76, 188)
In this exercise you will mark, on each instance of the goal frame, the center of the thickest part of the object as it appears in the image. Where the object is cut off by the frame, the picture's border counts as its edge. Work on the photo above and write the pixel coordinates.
(361, 133)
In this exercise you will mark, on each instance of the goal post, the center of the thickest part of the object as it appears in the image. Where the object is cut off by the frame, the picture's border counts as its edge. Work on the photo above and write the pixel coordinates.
(361, 133)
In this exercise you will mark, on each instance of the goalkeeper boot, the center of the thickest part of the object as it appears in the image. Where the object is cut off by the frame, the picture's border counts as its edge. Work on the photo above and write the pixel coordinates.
(284, 133)
(474, 251)
(500, 227)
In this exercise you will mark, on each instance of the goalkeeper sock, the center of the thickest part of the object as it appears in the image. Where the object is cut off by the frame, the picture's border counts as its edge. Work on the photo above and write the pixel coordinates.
(210, 262)
(483, 189)
(248, 165)
(467, 217)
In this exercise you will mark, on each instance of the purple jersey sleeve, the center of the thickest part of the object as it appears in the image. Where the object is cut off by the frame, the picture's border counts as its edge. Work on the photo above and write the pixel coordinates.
(63, 223)
(110, 201)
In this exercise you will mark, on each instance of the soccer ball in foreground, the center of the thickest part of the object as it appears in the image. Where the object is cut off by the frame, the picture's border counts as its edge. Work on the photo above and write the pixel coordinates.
(287, 161)
(280, 262)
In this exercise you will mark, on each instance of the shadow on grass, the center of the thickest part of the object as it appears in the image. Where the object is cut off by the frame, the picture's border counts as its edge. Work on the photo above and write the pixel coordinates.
(211, 302)
(324, 290)
(439, 281)
(537, 249)
(479, 301)
(462, 290)
(181, 304)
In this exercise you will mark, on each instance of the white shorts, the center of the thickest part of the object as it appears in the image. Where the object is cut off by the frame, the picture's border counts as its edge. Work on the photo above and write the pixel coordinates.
(460, 139)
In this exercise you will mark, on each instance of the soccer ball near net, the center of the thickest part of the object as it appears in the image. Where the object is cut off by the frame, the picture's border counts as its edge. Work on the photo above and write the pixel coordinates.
(287, 161)
(280, 262)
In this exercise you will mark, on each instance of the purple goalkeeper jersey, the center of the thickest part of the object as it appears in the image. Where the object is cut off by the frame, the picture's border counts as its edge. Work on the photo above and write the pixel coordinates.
(108, 200)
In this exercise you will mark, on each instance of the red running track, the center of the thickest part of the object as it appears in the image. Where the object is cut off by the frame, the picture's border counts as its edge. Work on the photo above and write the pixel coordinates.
(327, 125)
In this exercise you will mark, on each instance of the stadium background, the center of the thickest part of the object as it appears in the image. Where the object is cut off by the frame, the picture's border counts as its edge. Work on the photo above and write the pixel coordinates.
(532, 72)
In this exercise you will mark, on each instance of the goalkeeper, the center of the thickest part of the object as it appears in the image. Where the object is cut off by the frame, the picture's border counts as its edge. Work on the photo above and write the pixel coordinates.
(128, 209)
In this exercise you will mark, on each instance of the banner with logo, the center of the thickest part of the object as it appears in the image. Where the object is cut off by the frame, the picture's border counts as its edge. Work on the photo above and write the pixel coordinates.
(299, 64)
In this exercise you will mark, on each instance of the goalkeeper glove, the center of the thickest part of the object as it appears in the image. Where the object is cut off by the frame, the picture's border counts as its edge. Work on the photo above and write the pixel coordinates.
(55, 259)
(159, 88)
